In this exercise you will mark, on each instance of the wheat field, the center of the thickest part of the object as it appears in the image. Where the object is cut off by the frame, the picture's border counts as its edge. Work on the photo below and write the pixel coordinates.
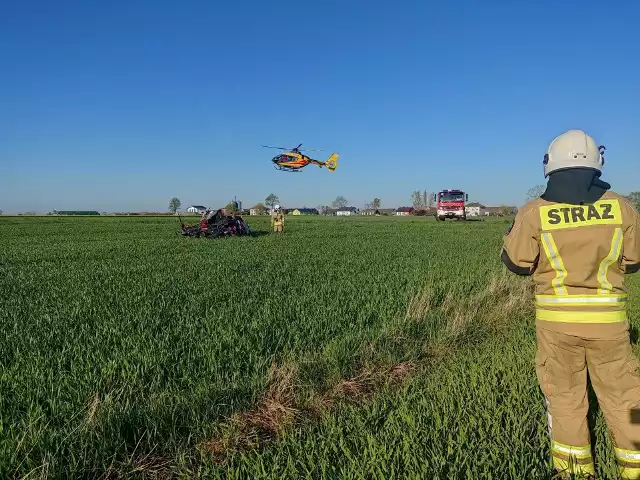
(345, 348)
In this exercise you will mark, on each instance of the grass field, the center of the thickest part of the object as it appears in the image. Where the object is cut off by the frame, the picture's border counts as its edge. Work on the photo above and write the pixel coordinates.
(345, 348)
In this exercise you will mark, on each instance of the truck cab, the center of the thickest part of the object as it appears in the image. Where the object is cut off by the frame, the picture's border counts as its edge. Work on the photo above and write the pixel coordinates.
(451, 204)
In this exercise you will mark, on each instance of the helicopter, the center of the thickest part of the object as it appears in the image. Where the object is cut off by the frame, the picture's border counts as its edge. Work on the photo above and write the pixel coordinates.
(292, 159)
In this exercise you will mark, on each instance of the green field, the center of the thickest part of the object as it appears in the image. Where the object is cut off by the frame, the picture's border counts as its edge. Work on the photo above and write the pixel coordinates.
(345, 348)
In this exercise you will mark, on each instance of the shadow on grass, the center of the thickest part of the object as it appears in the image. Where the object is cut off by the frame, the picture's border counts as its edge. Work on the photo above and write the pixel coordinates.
(253, 234)
(260, 233)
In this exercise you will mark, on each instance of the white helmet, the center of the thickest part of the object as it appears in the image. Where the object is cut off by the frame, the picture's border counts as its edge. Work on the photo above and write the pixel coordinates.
(573, 149)
(276, 207)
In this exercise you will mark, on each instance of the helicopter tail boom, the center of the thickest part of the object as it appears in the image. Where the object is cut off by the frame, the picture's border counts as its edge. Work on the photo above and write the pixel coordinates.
(332, 163)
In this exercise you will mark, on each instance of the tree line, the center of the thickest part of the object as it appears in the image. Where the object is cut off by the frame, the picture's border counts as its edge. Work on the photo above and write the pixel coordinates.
(272, 200)
(538, 191)
(420, 200)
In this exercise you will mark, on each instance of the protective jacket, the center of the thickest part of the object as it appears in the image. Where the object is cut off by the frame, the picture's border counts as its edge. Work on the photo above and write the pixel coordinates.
(277, 220)
(578, 256)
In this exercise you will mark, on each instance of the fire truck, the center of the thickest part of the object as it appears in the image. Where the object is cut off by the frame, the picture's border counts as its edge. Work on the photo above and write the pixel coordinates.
(450, 204)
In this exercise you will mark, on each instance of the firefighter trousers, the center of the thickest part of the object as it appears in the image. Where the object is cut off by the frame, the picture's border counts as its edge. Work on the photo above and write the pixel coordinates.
(562, 364)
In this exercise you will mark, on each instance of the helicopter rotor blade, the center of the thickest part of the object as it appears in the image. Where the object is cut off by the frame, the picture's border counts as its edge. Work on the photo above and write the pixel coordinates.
(277, 148)
(296, 149)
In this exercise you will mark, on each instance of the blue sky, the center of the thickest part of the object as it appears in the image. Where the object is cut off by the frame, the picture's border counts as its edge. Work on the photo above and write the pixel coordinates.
(121, 105)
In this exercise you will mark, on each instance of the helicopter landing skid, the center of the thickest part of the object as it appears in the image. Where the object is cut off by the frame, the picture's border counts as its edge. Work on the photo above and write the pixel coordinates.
(284, 169)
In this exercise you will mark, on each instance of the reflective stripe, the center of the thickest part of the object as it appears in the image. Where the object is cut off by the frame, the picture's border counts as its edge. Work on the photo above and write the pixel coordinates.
(562, 215)
(581, 300)
(580, 317)
(565, 466)
(628, 455)
(549, 417)
(614, 254)
(628, 473)
(578, 452)
(553, 255)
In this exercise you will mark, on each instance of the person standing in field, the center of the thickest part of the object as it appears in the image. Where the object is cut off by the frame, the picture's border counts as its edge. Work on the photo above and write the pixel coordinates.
(277, 219)
(578, 240)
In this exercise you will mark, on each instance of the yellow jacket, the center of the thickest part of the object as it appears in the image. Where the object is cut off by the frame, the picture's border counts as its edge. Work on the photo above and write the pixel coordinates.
(277, 219)
(578, 256)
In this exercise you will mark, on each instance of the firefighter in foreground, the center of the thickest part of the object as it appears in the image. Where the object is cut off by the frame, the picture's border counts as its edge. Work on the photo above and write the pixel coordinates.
(578, 240)
(277, 219)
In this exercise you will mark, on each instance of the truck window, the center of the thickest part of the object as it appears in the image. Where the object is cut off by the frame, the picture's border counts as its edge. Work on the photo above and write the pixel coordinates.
(452, 197)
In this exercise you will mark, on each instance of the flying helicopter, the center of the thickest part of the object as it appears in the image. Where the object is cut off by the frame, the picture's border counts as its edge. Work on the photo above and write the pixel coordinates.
(292, 159)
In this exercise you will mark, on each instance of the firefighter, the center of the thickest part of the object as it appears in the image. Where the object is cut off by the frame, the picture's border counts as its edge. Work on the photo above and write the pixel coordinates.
(277, 219)
(577, 241)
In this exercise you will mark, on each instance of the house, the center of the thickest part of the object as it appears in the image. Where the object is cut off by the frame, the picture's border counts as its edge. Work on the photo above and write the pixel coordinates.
(500, 211)
(370, 211)
(474, 209)
(491, 211)
(386, 211)
(404, 211)
(347, 211)
(431, 211)
(304, 211)
(196, 209)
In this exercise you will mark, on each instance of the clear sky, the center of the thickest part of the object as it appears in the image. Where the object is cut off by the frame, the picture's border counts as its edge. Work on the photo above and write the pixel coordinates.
(121, 105)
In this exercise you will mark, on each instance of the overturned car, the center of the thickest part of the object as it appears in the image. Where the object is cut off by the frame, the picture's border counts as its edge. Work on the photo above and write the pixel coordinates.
(214, 224)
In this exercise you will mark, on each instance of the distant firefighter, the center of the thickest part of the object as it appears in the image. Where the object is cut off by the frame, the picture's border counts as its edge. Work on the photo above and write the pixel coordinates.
(277, 219)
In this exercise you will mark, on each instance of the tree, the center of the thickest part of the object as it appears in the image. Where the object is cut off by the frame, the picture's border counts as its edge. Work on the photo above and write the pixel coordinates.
(324, 210)
(259, 207)
(429, 201)
(503, 210)
(174, 204)
(271, 200)
(421, 200)
(376, 203)
(339, 202)
(231, 208)
(633, 196)
(535, 192)
(417, 199)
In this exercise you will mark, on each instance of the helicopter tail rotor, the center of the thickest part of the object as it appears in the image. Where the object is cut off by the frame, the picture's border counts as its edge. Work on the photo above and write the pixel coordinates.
(332, 163)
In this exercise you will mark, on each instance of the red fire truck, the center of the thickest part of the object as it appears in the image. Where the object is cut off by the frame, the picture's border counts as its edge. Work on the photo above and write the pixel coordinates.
(450, 204)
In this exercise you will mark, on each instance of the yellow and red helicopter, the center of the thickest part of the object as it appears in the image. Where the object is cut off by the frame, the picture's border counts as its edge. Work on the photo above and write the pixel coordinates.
(292, 159)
